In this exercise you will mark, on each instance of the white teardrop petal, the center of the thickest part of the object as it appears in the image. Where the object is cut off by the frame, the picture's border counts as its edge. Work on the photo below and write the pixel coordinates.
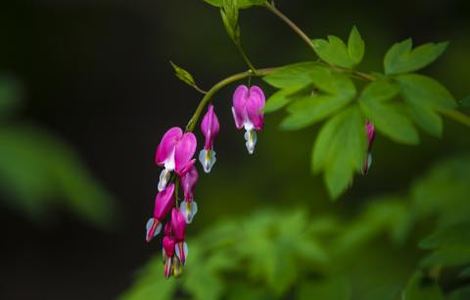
(251, 139)
(163, 180)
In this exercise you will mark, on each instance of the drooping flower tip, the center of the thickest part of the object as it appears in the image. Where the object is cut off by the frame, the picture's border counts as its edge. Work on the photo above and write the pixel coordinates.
(163, 203)
(168, 251)
(181, 250)
(178, 224)
(247, 109)
(189, 210)
(188, 182)
(370, 130)
(370, 133)
(210, 127)
(153, 229)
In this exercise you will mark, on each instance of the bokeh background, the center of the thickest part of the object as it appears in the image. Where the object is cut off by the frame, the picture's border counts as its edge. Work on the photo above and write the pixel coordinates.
(93, 92)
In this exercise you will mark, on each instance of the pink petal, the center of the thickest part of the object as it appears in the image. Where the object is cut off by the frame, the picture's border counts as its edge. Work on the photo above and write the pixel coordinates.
(167, 145)
(188, 182)
(370, 131)
(164, 201)
(239, 105)
(210, 127)
(178, 224)
(168, 246)
(254, 107)
(184, 151)
(186, 168)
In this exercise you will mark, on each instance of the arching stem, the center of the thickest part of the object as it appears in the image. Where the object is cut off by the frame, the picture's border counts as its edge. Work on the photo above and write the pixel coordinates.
(221, 84)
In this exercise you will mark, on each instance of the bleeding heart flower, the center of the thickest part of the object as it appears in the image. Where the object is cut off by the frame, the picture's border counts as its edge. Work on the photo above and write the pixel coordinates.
(163, 203)
(370, 132)
(178, 225)
(189, 207)
(247, 109)
(210, 129)
(175, 152)
(168, 251)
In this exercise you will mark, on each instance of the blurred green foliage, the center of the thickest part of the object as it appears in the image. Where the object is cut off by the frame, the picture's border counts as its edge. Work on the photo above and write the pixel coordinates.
(295, 255)
(38, 172)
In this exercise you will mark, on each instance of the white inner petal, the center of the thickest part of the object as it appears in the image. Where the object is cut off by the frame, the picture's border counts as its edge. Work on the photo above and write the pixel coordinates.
(163, 180)
(251, 138)
(170, 161)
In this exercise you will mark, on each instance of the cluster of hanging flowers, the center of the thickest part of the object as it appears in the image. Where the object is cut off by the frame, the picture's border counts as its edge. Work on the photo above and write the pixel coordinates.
(175, 154)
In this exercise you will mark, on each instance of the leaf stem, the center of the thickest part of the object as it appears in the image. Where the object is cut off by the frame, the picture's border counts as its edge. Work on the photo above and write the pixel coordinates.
(292, 25)
(308, 41)
(221, 84)
(245, 57)
(457, 116)
(197, 88)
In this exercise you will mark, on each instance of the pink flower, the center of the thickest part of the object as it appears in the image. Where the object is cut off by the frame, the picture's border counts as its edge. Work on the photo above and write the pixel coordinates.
(247, 109)
(370, 132)
(178, 226)
(189, 207)
(163, 203)
(210, 129)
(174, 152)
(168, 251)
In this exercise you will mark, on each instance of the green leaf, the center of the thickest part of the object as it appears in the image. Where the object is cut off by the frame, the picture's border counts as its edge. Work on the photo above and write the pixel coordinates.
(309, 110)
(425, 97)
(229, 14)
(356, 46)
(340, 150)
(420, 288)
(240, 3)
(450, 245)
(291, 75)
(425, 91)
(281, 98)
(200, 277)
(333, 51)
(183, 75)
(379, 91)
(427, 119)
(337, 288)
(389, 119)
(400, 58)
(338, 90)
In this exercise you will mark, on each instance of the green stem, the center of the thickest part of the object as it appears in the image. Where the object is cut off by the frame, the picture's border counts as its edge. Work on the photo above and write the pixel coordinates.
(357, 74)
(245, 57)
(308, 41)
(289, 23)
(197, 88)
(457, 116)
(177, 187)
(210, 93)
